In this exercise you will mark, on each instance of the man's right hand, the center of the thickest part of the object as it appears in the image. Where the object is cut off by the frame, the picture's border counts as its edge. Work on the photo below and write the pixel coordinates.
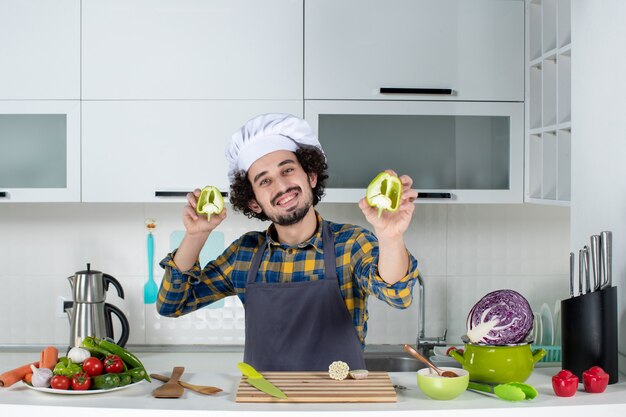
(199, 224)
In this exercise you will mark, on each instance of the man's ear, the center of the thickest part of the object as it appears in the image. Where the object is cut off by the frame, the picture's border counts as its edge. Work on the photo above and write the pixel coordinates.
(313, 179)
(254, 206)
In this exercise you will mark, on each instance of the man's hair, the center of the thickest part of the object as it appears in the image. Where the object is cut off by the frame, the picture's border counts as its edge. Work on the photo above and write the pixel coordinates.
(312, 161)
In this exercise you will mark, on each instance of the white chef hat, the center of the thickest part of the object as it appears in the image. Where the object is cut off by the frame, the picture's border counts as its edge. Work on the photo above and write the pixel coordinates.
(265, 134)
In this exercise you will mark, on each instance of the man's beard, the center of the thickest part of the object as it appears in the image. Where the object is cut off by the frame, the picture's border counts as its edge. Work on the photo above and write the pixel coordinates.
(293, 217)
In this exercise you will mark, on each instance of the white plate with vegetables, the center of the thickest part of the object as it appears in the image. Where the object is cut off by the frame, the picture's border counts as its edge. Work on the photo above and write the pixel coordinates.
(84, 392)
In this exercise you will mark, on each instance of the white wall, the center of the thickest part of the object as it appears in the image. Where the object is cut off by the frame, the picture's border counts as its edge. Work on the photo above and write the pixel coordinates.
(599, 134)
(464, 252)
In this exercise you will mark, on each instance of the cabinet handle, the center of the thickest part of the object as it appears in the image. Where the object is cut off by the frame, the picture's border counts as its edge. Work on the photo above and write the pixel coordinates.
(431, 91)
(178, 193)
(3, 193)
(434, 195)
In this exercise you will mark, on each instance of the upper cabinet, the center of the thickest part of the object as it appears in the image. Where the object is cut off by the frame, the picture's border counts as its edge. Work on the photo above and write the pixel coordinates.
(192, 49)
(40, 49)
(414, 50)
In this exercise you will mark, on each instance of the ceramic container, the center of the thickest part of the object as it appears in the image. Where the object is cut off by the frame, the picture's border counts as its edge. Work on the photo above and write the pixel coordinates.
(442, 388)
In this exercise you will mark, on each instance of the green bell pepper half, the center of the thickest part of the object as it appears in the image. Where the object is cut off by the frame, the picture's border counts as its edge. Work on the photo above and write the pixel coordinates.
(384, 192)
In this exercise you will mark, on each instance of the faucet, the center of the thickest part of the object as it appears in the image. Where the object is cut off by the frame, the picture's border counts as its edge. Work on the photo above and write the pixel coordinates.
(425, 344)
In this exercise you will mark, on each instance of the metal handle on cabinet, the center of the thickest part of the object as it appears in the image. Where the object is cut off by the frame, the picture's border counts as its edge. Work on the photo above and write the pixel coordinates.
(3, 193)
(430, 91)
(179, 193)
(434, 195)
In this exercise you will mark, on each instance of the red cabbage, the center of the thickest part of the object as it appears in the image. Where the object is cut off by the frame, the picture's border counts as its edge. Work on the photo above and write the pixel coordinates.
(502, 317)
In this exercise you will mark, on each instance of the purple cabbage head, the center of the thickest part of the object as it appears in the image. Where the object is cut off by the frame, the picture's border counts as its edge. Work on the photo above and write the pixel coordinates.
(502, 317)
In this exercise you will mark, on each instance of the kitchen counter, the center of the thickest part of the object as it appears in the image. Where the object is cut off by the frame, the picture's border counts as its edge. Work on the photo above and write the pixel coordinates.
(219, 369)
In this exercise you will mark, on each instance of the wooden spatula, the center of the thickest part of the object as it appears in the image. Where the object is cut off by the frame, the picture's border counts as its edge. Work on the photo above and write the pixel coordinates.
(202, 389)
(171, 389)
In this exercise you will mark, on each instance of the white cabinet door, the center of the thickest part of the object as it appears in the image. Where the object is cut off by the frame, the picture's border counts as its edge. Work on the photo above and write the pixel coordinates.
(192, 49)
(353, 48)
(39, 151)
(456, 152)
(39, 49)
(134, 149)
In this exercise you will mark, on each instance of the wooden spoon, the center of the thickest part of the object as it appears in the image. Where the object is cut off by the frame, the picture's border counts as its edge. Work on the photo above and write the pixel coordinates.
(417, 355)
(202, 389)
(171, 389)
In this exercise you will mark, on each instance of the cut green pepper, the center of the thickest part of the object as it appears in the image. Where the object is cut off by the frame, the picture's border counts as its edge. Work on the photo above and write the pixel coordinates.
(384, 192)
(210, 201)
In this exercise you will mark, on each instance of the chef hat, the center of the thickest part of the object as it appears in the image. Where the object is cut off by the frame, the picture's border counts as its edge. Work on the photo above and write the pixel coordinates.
(265, 134)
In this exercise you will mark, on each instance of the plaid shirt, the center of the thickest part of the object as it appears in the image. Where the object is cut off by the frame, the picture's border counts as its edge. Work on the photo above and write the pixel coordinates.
(356, 250)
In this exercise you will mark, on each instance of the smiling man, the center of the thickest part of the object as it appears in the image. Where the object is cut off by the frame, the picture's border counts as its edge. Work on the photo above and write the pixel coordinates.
(304, 281)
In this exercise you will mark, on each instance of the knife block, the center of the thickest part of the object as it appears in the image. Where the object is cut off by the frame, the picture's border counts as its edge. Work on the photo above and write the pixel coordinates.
(589, 332)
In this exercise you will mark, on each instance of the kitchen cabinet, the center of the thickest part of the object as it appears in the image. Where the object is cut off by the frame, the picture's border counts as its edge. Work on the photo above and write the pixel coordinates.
(456, 152)
(40, 49)
(548, 103)
(39, 151)
(134, 149)
(475, 49)
(192, 49)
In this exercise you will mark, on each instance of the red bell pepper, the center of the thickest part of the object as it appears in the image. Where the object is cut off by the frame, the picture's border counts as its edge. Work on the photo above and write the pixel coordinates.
(565, 383)
(595, 380)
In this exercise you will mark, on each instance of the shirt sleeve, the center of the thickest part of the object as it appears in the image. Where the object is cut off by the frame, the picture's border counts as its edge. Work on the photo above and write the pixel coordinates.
(364, 255)
(182, 292)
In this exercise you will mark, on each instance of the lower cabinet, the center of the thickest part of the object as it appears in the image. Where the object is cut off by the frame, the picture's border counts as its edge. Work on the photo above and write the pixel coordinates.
(155, 151)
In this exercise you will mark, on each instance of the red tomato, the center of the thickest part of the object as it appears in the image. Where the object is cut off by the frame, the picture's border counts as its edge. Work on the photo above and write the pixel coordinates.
(93, 366)
(60, 382)
(595, 380)
(113, 364)
(81, 381)
(565, 383)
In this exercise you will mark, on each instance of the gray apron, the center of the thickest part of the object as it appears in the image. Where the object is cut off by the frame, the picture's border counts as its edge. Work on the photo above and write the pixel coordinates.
(299, 326)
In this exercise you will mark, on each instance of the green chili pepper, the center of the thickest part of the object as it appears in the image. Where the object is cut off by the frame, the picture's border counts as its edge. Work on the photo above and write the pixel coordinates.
(385, 192)
(127, 357)
(210, 201)
(67, 368)
(106, 381)
(137, 374)
(91, 344)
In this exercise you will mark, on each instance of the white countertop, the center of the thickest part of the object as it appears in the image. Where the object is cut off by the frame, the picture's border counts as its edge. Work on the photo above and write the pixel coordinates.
(219, 369)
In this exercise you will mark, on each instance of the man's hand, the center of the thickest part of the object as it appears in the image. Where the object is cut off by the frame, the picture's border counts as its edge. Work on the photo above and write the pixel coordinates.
(392, 225)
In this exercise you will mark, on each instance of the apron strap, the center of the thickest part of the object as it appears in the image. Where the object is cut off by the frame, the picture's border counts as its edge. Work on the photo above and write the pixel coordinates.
(328, 245)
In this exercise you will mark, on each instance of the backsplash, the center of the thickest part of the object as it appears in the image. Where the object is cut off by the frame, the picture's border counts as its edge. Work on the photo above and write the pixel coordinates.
(464, 251)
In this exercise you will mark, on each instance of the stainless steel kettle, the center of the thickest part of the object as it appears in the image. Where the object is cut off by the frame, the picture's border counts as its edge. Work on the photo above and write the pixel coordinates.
(88, 313)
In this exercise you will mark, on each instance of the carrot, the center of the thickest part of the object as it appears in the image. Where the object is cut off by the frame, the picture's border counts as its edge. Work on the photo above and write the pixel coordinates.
(28, 378)
(11, 377)
(49, 357)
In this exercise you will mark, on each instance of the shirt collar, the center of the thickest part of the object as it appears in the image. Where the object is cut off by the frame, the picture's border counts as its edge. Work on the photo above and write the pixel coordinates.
(315, 240)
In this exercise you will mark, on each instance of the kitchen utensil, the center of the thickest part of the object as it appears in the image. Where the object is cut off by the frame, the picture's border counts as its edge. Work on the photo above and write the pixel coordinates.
(88, 313)
(150, 289)
(442, 388)
(606, 239)
(318, 387)
(202, 389)
(596, 265)
(586, 264)
(445, 373)
(589, 333)
(571, 274)
(256, 380)
(171, 389)
(581, 270)
(511, 391)
(498, 364)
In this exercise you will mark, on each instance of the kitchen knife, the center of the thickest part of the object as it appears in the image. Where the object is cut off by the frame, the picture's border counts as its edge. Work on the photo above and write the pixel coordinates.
(606, 239)
(581, 270)
(586, 263)
(596, 266)
(571, 274)
(257, 381)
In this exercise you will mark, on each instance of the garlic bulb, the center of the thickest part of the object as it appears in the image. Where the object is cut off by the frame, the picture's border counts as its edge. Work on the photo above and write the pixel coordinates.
(78, 354)
(358, 374)
(41, 377)
(338, 370)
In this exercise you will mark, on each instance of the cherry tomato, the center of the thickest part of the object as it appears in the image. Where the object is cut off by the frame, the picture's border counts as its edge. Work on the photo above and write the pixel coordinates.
(81, 382)
(595, 380)
(113, 364)
(60, 382)
(565, 383)
(93, 366)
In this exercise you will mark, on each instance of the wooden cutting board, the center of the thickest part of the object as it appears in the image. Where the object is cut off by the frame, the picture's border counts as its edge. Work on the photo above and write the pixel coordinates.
(318, 387)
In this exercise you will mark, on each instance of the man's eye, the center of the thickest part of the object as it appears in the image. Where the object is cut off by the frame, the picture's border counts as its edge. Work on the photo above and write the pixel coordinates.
(288, 170)
(264, 181)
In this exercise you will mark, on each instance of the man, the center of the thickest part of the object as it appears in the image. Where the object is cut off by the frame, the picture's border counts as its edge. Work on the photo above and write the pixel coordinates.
(304, 281)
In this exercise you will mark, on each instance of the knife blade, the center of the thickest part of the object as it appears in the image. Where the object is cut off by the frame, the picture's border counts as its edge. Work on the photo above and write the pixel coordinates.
(257, 381)
(571, 274)
(586, 264)
(596, 266)
(606, 239)
(581, 270)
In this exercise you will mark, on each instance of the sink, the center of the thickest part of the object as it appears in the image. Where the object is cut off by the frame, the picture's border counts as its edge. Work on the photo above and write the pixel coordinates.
(392, 362)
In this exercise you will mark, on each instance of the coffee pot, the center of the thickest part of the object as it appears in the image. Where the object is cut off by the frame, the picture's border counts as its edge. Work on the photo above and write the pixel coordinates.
(88, 313)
